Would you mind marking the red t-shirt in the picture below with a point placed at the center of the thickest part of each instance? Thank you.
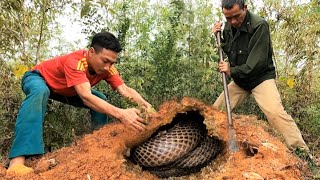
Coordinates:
(63, 72)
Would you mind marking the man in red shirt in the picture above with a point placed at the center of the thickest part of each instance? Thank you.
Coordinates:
(69, 79)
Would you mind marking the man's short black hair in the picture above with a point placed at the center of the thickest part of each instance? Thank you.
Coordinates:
(105, 40)
(228, 4)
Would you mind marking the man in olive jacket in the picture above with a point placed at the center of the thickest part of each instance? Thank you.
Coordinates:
(246, 41)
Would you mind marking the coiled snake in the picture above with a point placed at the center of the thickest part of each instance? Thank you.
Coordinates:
(180, 149)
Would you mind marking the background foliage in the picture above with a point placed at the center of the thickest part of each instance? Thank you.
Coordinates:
(169, 53)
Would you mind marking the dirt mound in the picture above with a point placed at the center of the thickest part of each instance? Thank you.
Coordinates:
(102, 154)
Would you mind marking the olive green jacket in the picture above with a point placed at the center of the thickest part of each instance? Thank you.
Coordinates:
(249, 52)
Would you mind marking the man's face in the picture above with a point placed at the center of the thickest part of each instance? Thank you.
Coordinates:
(100, 62)
(235, 15)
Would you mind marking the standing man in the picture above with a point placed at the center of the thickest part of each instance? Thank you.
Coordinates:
(246, 41)
(69, 79)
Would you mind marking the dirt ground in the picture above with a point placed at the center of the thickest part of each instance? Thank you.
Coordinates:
(102, 154)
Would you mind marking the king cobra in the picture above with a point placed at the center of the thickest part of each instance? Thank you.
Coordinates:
(176, 150)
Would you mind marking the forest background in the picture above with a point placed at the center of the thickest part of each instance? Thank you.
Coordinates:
(169, 52)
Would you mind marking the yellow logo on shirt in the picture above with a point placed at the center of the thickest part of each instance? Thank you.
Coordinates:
(82, 64)
(113, 70)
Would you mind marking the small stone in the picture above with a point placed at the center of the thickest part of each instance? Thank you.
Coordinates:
(271, 146)
(252, 175)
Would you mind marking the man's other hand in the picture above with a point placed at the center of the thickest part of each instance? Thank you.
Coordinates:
(224, 67)
(130, 117)
(216, 27)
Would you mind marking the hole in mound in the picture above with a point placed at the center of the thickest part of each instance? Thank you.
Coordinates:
(180, 148)
(249, 149)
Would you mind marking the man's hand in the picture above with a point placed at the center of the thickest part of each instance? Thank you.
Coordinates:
(130, 117)
(148, 108)
(216, 27)
(224, 67)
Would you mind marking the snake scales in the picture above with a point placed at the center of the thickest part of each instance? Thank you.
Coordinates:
(179, 149)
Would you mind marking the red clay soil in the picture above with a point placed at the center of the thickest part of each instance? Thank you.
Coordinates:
(101, 155)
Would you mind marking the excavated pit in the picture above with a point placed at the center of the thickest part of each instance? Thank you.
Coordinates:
(102, 154)
(179, 148)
